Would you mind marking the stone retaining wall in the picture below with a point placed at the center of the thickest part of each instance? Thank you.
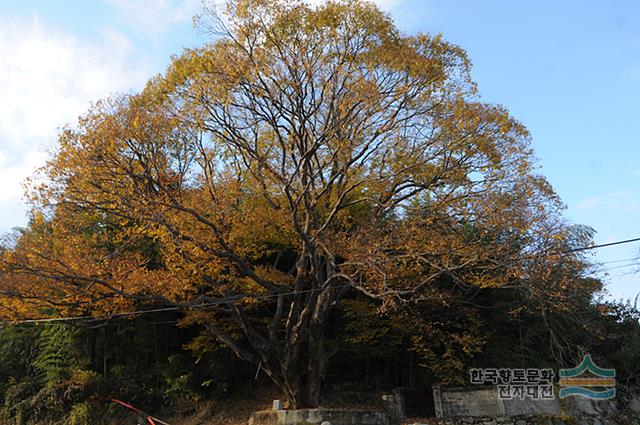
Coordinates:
(318, 416)
(523, 420)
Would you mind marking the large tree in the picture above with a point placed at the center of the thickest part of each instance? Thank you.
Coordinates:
(302, 154)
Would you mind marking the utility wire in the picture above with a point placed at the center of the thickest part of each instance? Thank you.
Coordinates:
(586, 248)
(623, 266)
(256, 297)
(157, 310)
(623, 260)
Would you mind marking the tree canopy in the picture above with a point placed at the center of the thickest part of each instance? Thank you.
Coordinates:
(304, 156)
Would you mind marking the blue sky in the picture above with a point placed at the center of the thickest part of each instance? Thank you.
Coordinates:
(570, 71)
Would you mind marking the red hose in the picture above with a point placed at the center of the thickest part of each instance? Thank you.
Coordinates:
(130, 407)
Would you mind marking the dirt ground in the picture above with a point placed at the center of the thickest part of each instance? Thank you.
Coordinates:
(230, 411)
(236, 410)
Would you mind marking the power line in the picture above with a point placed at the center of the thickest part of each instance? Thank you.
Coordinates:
(586, 248)
(623, 260)
(258, 297)
(623, 266)
(157, 310)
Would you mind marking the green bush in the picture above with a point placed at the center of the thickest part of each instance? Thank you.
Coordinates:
(82, 414)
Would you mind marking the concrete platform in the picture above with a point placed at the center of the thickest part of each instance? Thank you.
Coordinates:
(318, 416)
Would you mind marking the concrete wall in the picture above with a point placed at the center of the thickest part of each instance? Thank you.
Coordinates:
(393, 404)
(469, 406)
(524, 420)
(467, 401)
(516, 407)
(317, 416)
(481, 405)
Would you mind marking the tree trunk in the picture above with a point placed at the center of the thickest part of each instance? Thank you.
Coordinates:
(294, 357)
(317, 365)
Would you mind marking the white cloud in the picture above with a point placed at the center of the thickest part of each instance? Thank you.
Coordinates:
(588, 203)
(626, 201)
(15, 173)
(382, 4)
(156, 16)
(387, 4)
(48, 78)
